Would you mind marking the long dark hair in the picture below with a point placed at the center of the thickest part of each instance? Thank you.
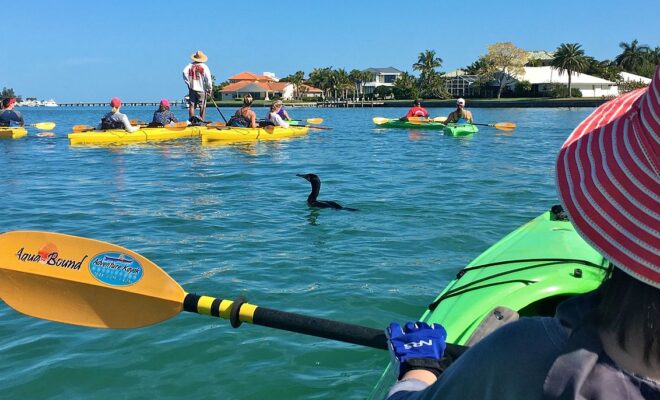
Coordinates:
(626, 303)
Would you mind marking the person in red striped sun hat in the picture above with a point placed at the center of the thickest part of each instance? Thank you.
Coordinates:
(600, 345)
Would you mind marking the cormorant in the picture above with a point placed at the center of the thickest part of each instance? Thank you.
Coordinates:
(316, 188)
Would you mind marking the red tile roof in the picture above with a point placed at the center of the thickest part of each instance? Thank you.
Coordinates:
(249, 76)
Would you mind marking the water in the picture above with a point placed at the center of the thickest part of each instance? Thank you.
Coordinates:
(232, 220)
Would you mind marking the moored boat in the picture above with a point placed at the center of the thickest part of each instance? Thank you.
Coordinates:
(527, 273)
(13, 132)
(230, 133)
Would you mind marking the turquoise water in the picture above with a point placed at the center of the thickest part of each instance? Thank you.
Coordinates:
(232, 220)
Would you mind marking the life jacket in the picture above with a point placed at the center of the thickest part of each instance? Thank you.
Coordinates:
(107, 122)
(239, 120)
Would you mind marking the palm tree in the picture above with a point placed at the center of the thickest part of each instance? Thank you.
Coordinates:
(426, 64)
(570, 58)
(633, 56)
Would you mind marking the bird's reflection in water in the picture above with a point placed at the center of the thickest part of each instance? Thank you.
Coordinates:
(313, 214)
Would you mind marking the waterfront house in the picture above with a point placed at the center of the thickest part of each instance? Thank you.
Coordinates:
(461, 84)
(543, 78)
(381, 77)
(264, 87)
(628, 77)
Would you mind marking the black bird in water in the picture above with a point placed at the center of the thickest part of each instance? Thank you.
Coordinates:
(316, 188)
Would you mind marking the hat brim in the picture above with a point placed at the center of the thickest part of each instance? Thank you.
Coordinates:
(203, 58)
(607, 180)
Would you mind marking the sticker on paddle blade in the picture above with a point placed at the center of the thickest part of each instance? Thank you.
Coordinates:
(115, 269)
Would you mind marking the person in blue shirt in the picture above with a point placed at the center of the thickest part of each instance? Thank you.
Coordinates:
(163, 116)
(604, 344)
(8, 116)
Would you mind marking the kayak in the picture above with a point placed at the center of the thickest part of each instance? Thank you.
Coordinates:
(12, 133)
(397, 123)
(118, 136)
(527, 273)
(460, 129)
(230, 133)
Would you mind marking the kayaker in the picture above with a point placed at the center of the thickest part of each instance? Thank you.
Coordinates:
(460, 115)
(116, 120)
(416, 111)
(282, 112)
(8, 116)
(244, 116)
(274, 116)
(600, 345)
(163, 116)
(197, 76)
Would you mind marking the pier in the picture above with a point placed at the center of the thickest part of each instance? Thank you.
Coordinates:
(123, 103)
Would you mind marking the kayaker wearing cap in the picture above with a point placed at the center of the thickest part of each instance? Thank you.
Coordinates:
(163, 116)
(8, 116)
(274, 116)
(197, 76)
(416, 111)
(460, 115)
(600, 345)
(116, 120)
(244, 116)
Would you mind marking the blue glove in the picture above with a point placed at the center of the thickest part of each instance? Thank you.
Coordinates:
(417, 346)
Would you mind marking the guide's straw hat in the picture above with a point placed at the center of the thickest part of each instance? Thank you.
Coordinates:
(199, 56)
(608, 180)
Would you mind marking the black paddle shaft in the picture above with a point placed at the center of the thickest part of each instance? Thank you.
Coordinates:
(329, 329)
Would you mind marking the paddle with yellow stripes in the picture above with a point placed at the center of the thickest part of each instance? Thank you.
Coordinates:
(46, 126)
(316, 121)
(87, 282)
(503, 126)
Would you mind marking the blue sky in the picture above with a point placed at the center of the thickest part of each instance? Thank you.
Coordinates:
(93, 50)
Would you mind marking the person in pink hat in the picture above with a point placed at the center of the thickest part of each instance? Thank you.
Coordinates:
(115, 119)
(163, 116)
(600, 345)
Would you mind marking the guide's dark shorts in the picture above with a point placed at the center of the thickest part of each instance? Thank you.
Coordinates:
(196, 99)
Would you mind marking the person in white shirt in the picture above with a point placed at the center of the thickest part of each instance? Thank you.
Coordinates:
(116, 120)
(197, 76)
(274, 116)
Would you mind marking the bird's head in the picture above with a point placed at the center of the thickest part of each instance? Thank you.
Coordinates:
(309, 177)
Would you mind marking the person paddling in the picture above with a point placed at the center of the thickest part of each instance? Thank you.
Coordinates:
(116, 120)
(416, 111)
(600, 345)
(9, 116)
(460, 115)
(163, 116)
(274, 116)
(198, 78)
(244, 116)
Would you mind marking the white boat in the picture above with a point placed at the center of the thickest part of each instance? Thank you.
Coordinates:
(49, 103)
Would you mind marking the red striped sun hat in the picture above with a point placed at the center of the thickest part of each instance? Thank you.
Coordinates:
(609, 183)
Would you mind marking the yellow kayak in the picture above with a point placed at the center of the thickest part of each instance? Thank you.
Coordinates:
(228, 133)
(12, 133)
(117, 136)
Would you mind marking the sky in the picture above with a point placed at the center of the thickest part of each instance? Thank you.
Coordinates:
(95, 50)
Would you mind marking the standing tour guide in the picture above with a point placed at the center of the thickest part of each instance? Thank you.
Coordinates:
(197, 76)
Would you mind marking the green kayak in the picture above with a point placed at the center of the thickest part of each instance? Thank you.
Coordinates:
(460, 129)
(527, 273)
(397, 123)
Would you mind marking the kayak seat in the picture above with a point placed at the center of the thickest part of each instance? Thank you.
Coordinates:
(498, 317)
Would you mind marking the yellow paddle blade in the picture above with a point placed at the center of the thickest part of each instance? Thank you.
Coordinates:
(82, 128)
(418, 120)
(439, 119)
(83, 281)
(505, 126)
(314, 120)
(380, 120)
(44, 125)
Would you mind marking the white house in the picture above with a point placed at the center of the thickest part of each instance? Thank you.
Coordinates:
(628, 77)
(381, 77)
(542, 79)
(264, 87)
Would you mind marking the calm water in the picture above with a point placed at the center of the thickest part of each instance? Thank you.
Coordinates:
(232, 220)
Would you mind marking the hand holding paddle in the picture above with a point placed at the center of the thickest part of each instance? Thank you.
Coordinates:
(86, 282)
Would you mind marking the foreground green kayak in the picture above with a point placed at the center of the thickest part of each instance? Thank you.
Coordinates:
(527, 273)
(460, 129)
(397, 123)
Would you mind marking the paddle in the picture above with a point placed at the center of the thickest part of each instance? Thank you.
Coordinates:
(46, 126)
(440, 119)
(218, 108)
(309, 120)
(87, 282)
(82, 128)
(381, 120)
(503, 126)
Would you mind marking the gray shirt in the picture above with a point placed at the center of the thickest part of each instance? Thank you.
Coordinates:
(535, 358)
